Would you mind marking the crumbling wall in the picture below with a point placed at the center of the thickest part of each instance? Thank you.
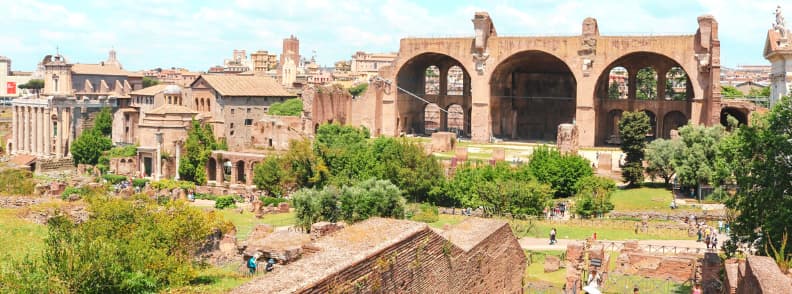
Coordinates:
(633, 261)
(761, 275)
(322, 105)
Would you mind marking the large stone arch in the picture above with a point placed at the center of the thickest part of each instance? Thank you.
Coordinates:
(659, 106)
(531, 93)
(673, 120)
(411, 101)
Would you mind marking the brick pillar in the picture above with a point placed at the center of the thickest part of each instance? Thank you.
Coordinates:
(632, 86)
(661, 84)
(47, 133)
(59, 133)
(249, 176)
(234, 173)
(219, 173)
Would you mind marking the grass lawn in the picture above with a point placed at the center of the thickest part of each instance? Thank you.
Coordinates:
(247, 220)
(643, 199)
(19, 237)
(534, 271)
(605, 229)
(215, 280)
(447, 219)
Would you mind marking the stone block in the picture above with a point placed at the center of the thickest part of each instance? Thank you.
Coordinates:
(574, 253)
(461, 153)
(552, 263)
(762, 275)
(443, 141)
(283, 207)
(498, 154)
(604, 162)
(322, 229)
(567, 139)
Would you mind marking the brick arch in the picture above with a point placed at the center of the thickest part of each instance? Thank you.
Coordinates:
(623, 60)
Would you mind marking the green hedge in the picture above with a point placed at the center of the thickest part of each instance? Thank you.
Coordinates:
(272, 200)
(140, 183)
(225, 202)
(114, 179)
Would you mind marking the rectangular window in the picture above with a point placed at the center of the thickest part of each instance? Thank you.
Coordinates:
(232, 111)
(248, 122)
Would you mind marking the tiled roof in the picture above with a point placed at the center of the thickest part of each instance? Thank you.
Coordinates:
(149, 91)
(228, 85)
(98, 69)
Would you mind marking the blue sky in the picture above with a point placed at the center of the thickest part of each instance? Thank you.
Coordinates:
(199, 34)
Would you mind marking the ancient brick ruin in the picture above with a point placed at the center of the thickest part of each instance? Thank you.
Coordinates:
(398, 256)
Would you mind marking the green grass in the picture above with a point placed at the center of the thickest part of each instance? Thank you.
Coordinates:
(215, 280)
(19, 237)
(534, 271)
(643, 199)
(246, 221)
(447, 219)
(605, 229)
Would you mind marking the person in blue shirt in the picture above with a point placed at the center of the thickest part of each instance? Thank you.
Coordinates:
(251, 264)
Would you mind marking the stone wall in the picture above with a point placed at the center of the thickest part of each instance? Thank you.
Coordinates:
(326, 105)
(275, 131)
(20, 202)
(47, 165)
(761, 275)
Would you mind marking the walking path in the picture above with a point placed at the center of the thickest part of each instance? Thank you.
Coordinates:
(528, 243)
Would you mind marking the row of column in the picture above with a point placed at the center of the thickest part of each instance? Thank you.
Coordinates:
(34, 129)
(220, 172)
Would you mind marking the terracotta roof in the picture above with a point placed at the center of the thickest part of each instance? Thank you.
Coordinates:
(246, 86)
(171, 109)
(98, 69)
(23, 159)
(149, 91)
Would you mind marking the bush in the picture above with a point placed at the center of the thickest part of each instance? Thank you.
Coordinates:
(225, 202)
(205, 196)
(125, 151)
(114, 179)
(168, 184)
(290, 107)
(594, 197)
(425, 212)
(16, 182)
(73, 190)
(272, 200)
(140, 183)
(561, 171)
(359, 89)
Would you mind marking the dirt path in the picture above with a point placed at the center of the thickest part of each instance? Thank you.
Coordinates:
(529, 243)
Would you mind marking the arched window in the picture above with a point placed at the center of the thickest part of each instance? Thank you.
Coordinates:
(646, 80)
(676, 84)
(431, 118)
(456, 81)
(618, 83)
(456, 118)
(208, 105)
(432, 80)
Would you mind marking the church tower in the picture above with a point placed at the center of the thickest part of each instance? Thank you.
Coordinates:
(57, 76)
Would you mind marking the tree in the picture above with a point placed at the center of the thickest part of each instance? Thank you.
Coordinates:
(149, 81)
(104, 122)
(271, 176)
(562, 172)
(646, 80)
(406, 165)
(594, 196)
(695, 160)
(89, 146)
(358, 89)
(763, 170)
(515, 197)
(290, 107)
(613, 91)
(197, 148)
(345, 151)
(633, 128)
(35, 84)
(660, 158)
(731, 92)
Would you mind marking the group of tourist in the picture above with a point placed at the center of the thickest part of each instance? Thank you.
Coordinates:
(708, 235)
(557, 211)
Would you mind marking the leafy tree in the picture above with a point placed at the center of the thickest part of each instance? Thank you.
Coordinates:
(562, 172)
(515, 197)
(307, 169)
(646, 80)
(763, 172)
(695, 160)
(104, 122)
(198, 147)
(613, 91)
(35, 84)
(633, 128)
(405, 164)
(594, 196)
(271, 176)
(759, 92)
(660, 158)
(149, 81)
(89, 146)
(290, 107)
(730, 92)
(345, 152)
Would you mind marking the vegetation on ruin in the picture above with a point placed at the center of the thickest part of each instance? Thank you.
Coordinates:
(16, 182)
(113, 251)
(358, 89)
(350, 203)
(104, 121)
(197, 148)
(114, 179)
(633, 128)
(730, 92)
(424, 212)
(290, 107)
(168, 184)
(594, 196)
(562, 171)
(122, 151)
(89, 146)
(149, 81)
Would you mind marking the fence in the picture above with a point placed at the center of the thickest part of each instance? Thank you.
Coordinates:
(626, 284)
(654, 248)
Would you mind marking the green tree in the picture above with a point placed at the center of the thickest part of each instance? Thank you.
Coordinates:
(594, 196)
(660, 158)
(646, 80)
(271, 176)
(149, 81)
(633, 128)
(358, 89)
(35, 84)
(290, 107)
(613, 91)
(562, 172)
(307, 169)
(515, 197)
(731, 92)
(345, 152)
(197, 148)
(406, 164)
(104, 122)
(762, 172)
(89, 146)
(695, 161)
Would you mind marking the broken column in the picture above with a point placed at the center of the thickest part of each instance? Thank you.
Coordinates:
(567, 139)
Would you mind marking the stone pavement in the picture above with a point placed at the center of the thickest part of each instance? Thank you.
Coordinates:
(528, 243)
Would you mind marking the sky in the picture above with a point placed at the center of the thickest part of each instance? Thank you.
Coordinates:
(199, 34)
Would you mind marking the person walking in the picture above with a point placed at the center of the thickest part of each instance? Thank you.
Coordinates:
(699, 235)
(251, 265)
(553, 236)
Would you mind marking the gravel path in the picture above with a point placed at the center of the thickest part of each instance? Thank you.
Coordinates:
(528, 243)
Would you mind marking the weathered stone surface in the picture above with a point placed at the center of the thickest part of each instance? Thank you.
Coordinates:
(552, 263)
(604, 162)
(567, 139)
(283, 207)
(19, 202)
(443, 141)
(678, 268)
(762, 275)
(322, 229)
(498, 154)
(461, 153)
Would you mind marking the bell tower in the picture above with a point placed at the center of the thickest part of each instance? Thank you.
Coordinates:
(57, 76)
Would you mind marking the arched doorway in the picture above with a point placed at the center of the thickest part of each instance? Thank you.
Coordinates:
(618, 84)
(532, 92)
(240, 171)
(227, 166)
(652, 134)
(432, 118)
(211, 169)
(673, 121)
(738, 114)
(612, 127)
(430, 78)
(456, 119)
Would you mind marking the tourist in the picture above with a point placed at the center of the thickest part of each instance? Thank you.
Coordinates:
(270, 264)
(707, 241)
(714, 242)
(553, 236)
(720, 225)
(636, 228)
(699, 235)
(697, 289)
(251, 264)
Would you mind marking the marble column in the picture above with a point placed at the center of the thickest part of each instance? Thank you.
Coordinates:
(59, 133)
(47, 132)
(67, 130)
(219, 172)
(178, 158)
(39, 131)
(234, 174)
(14, 133)
(25, 129)
(249, 174)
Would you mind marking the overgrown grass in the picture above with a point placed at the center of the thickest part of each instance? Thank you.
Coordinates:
(447, 219)
(246, 221)
(534, 271)
(643, 199)
(215, 280)
(605, 229)
(19, 237)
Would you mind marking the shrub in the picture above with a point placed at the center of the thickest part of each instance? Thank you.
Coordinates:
(561, 171)
(73, 190)
(140, 183)
(290, 107)
(594, 197)
(225, 202)
(272, 200)
(124, 151)
(168, 184)
(205, 196)
(16, 182)
(424, 212)
(359, 89)
(114, 179)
